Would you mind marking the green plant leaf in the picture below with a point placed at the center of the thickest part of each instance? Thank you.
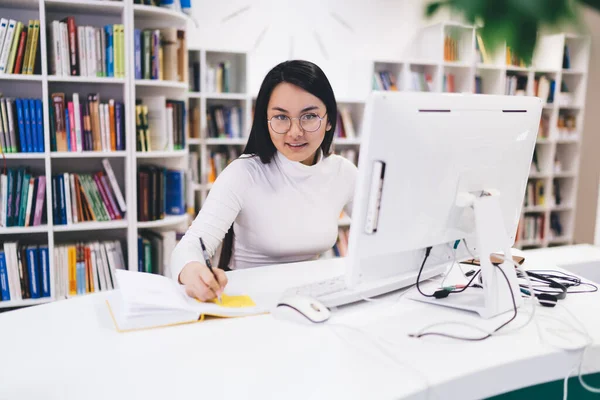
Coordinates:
(592, 3)
(432, 8)
(514, 22)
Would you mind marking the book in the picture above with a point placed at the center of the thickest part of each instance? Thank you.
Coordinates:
(144, 301)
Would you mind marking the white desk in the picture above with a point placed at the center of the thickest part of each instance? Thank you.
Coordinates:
(70, 350)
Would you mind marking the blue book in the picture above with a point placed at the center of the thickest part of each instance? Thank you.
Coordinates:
(175, 193)
(34, 276)
(163, 206)
(40, 124)
(27, 120)
(21, 121)
(4, 290)
(62, 207)
(110, 61)
(55, 214)
(44, 270)
(24, 193)
(68, 129)
(137, 36)
(140, 254)
(119, 125)
(34, 126)
(17, 196)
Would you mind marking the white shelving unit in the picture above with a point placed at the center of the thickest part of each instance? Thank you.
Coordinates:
(124, 163)
(426, 57)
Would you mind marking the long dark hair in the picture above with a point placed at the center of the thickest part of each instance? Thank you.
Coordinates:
(306, 75)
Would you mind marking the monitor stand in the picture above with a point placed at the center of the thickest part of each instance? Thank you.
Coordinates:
(495, 298)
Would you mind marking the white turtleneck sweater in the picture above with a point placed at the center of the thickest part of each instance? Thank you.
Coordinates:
(283, 211)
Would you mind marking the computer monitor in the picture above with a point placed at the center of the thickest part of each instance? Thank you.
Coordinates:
(424, 159)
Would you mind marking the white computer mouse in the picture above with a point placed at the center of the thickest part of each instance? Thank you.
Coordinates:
(301, 309)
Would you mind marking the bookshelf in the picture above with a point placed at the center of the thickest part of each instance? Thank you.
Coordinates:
(446, 57)
(124, 162)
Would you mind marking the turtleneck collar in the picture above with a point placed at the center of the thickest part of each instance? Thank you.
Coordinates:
(296, 168)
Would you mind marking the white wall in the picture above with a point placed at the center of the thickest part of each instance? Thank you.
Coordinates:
(341, 36)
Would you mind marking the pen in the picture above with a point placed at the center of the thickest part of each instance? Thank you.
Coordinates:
(209, 264)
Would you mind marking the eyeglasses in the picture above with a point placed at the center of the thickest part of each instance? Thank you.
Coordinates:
(309, 122)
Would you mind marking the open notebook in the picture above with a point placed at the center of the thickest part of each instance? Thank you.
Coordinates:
(144, 301)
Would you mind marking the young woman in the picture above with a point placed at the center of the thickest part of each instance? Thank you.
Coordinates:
(281, 200)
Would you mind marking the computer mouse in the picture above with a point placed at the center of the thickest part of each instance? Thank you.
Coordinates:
(301, 309)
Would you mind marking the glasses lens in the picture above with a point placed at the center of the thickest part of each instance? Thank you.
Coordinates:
(280, 123)
(310, 122)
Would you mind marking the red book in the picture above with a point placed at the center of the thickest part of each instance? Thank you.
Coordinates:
(73, 48)
(109, 194)
(104, 197)
(20, 52)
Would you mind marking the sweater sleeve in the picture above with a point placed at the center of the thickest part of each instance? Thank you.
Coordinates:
(219, 211)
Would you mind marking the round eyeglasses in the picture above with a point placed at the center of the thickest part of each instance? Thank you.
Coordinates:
(309, 122)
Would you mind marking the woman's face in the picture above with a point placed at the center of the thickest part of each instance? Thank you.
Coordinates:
(295, 126)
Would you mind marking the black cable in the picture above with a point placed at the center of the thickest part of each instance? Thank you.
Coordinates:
(442, 292)
(427, 252)
(512, 295)
(562, 278)
(468, 284)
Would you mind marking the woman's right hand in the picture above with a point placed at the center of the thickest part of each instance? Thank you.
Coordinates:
(200, 283)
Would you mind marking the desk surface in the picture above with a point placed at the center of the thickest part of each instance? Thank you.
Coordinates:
(70, 350)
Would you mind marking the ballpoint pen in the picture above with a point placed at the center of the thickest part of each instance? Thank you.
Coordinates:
(209, 264)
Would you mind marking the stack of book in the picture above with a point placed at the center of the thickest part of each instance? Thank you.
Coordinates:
(19, 47)
(516, 85)
(161, 54)
(160, 192)
(448, 84)
(86, 125)
(535, 193)
(21, 125)
(422, 82)
(450, 49)
(160, 124)
(224, 121)
(154, 250)
(24, 271)
(512, 59)
(219, 160)
(84, 197)
(218, 77)
(533, 227)
(544, 88)
(566, 124)
(89, 267)
(384, 80)
(86, 50)
(345, 126)
(22, 198)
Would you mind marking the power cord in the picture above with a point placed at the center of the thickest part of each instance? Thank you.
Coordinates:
(441, 293)
(512, 295)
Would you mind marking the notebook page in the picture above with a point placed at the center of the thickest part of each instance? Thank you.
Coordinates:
(143, 293)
